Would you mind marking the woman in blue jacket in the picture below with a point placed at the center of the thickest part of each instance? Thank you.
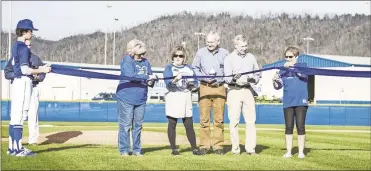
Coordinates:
(295, 99)
(132, 97)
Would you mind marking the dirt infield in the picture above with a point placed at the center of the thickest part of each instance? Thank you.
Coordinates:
(104, 138)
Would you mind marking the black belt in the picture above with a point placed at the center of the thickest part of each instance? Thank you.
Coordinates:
(239, 86)
(214, 85)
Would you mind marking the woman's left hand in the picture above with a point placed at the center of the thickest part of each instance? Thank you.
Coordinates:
(288, 64)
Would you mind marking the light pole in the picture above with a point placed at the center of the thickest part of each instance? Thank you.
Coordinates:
(114, 41)
(184, 44)
(10, 31)
(198, 34)
(9, 47)
(105, 42)
(308, 39)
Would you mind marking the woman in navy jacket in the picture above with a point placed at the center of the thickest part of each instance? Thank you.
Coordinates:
(295, 99)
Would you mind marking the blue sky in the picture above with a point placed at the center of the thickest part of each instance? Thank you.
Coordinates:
(59, 19)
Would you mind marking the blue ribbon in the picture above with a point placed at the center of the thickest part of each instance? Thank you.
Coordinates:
(331, 72)
(90, 74)
(76, 71)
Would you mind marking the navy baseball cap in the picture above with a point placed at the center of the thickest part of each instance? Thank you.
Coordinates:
(26, 24)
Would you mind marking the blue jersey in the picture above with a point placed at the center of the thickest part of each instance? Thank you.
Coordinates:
(134, 92)
(295, 88)
(181, 85)
(21, 55)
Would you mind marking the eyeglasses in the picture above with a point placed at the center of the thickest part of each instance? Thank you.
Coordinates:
(28, 45)
(142, 54)
(180, 56)
(289, 57)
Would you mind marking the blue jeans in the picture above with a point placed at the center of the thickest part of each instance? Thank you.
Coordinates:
(127, 115)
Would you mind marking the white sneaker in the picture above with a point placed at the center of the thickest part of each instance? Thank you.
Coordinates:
(11, 153)
(25, 152)
(287, 155)
(301, 155)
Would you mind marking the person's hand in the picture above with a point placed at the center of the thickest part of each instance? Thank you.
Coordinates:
(276, 76)
(191, 87)
(236, 77)
(250, 78)
(288, 64)
(214, 83)
(151, 80)
(45, 69)
(178, 77)
(35, 77)
(47, 65)
(152, 77)
(210, 81)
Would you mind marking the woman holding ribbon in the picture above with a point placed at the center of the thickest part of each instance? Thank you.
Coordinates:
(132, 96)
(295, 99)
(179, 99)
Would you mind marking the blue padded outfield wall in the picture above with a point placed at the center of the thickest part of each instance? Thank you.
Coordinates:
(358, 115)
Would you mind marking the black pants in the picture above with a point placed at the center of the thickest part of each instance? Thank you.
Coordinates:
(299, 113)
(188, 124)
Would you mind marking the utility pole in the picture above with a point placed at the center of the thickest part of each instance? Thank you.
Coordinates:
(184, 44)
(308, 39)
(114, 41)
(105, 42)
(198, 34)
(10, 31)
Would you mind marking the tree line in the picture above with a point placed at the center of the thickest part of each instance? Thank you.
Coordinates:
(268, 36)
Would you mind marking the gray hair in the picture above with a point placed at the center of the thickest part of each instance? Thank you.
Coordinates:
(135, 46)
(214, 34)
(239, 38)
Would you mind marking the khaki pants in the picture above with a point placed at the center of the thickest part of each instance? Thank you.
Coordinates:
(212, 98)
(238, 99)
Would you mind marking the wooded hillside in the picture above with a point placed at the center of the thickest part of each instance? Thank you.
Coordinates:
(268, 37)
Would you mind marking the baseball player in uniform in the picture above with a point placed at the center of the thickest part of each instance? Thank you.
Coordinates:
(21, 87)
(32, 118)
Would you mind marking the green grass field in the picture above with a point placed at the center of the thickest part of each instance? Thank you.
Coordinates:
(324, 150)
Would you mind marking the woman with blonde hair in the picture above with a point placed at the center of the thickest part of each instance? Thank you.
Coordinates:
(178, 99)
(295, 99)
(132, 97)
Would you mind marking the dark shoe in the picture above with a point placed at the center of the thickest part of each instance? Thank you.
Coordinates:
(197, 152)
(219, 152)
(252, 154)
(204, 151)
(175, 152)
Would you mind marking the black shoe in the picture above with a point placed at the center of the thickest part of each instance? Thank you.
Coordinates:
(197, 152)
(204, 151)
(175, 152)
(219, 152)
(252, 154)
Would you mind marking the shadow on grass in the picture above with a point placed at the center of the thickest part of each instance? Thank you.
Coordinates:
(228, 148)
(61, 137)
(153, 149)
(65, 148)
(295, 150)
